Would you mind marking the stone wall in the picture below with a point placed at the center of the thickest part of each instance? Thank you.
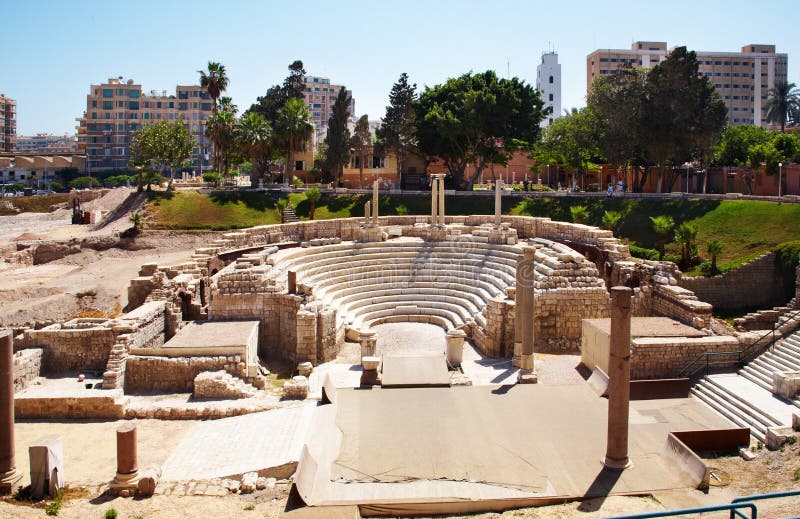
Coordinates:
(175, 374)
(27, 367)
(658, 357)
(80, 344)
(756, 284)
(103, 404)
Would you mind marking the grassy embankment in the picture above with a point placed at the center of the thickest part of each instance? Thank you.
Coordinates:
(745, 228)
(36, 204)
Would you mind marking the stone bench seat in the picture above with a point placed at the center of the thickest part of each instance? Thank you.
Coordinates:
(448, 318)
(376, 292)
(465, 308)
(456, 312)
(488, 267)
(475, 293)
(391, 276)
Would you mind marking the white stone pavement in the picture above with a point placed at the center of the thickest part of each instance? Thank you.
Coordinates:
(233, 446)
(756, 396)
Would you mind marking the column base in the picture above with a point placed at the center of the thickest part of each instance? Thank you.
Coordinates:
(516, 360)
(9, 481)
(526, 362)
(527, 377)
(617, 464)
(124, 482)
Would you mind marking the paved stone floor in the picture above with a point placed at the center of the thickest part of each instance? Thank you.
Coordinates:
(233, 446)
(409, 339)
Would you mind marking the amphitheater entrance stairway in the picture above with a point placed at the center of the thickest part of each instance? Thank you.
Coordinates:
(746, 397)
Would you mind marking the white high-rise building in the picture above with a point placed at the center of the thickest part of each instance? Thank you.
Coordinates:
(548, 81)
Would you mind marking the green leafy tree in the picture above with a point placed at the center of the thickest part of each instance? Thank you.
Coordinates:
(312, 195)
(782, 100)
(295, 127)
(397, 132)
(714, 249)
(673, 131)
(338, 136)
(616, 100)
(276, 96)
(215, 80)
(477, 119)
(686, 236)
(572, 141)
(84, 183)
(150, 178)
(254, 136)
(164, 144)
(579, 213)
(361, 144)
(662, 226)
(740, 147)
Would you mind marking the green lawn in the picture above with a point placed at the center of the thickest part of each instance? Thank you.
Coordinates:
(746, 228)
(192, 210)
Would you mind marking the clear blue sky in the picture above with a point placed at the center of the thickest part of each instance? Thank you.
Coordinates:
(55, 49)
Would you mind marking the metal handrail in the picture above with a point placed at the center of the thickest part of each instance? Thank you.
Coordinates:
(743, 356)
(760, 497)
(733, 507)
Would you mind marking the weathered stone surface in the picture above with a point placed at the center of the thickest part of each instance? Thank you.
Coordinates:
(221, 384)
(297, 387)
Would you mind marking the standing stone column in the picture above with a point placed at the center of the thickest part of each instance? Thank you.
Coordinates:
(367, 212)
(434, 198)
(498, 194)
(9, 475)
(519, 318)
(619, 378)
(441, 199)
(127, 466)
(368, 341)
(291, 281)
(525, 275)
(375, 203)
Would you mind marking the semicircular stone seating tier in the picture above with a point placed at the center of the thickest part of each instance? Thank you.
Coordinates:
(447, 283)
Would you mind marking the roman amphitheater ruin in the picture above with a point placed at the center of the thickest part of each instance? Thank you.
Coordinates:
(500, 288)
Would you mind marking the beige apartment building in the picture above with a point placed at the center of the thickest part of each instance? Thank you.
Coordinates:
(8, 124)
(116, 110)
(742, 79)
(320, 96)
(46, 143)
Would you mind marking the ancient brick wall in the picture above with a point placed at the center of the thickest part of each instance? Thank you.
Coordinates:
(72, 349)
(756, 284)
(27, 367)
(107, 405)
(656, 357)
(150, 373)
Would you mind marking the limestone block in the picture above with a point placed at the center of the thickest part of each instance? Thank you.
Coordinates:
(249, 483)
(296, 388)
(304, 368)
(786, 384)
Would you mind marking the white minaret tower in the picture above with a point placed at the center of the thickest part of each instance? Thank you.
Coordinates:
(548, 81)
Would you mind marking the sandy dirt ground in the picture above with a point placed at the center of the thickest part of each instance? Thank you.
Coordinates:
(89, 283)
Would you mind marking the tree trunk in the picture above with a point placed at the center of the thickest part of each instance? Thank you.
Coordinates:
(660, 182)
(140, 186)
(360, 171)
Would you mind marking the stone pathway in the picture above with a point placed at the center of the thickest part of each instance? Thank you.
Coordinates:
(415, 339)
(233, 446)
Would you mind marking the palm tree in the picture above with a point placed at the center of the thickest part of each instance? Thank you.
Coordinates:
(662, 226)
(254, 135)
(611, 219)
(714, 248)
(579, 213)
(312, 195)
(783, 100)
(295, 127)
(214, 80)
(685, 236)
(220, 129)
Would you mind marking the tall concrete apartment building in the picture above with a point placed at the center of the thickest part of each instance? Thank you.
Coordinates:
(548, 82)
(116, 110)
(320, 96)
(46, 143)
(742, 79)
(8, 124)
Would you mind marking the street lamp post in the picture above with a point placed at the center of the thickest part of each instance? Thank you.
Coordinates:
(687, 177)
(780, 178)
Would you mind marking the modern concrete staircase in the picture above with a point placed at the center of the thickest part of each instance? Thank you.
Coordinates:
(288, 214)
(746, 398)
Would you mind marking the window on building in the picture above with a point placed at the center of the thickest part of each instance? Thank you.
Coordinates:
(94, 104)
(108, 92)
(205, 106)
(120, 91)
(298, 165)
(551, 120)
(183, 106)
(377, 162)
(133, 105)
(133, 94)
(108, 105)
(551, 79)
(551, 97)
(183, 94)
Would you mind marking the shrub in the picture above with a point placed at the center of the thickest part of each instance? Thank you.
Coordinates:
(786, 259)
(211, 178)
(579, 213)
(57, 187)
(55, 507)
(537, 187)
(250, 507)
(84, 183)
(111, 513)
(296, 182)
(643, 253)
(14, 187)
(116, 181)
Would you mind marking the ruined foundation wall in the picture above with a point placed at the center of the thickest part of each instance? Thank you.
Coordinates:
(657, 357)
(71, 349)
(756, 284)
(27, 367)
(146, 373)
